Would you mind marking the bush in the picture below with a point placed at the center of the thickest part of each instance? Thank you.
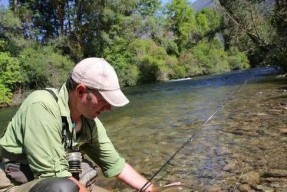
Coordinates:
(5, 95)
(11, 74)
(150, 60)
(122, 60)
(127, 72)
(11, 77)
(44, 66)
(190, 63)
(237, 60)
(211, 57)
(173, 65)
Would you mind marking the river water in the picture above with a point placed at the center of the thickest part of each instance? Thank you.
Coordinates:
(242, 147)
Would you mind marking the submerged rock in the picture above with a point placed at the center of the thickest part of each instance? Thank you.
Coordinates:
(250, 178)
(275, 173)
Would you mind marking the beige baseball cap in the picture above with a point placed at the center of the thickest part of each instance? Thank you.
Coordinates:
(97, 73)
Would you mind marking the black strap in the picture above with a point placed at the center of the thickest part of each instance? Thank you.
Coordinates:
(65, 126)
(66, 134)
(52, 93)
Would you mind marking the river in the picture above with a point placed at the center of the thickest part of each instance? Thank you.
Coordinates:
(243, 147)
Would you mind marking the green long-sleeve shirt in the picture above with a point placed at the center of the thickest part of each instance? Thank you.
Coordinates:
(36, 131)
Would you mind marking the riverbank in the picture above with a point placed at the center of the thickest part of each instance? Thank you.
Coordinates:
(19, 96)
(17, 99)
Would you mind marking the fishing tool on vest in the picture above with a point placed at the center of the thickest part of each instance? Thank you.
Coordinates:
(226, 100)
(74, 159)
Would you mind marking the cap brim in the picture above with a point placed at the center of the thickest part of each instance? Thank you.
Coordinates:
(116, 97)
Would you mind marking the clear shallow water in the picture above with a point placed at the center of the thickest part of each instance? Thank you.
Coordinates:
(242, 138)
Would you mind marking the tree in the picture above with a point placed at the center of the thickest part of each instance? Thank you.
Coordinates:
(208, 23)
(180, 21)
(148, 7)
(280, 40)
(10, 32)
(50, 18)
(248, 26)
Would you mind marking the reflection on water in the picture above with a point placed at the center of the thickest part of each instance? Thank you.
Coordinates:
(162, 116)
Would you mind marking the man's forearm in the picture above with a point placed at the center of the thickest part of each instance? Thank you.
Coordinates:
(131, 177)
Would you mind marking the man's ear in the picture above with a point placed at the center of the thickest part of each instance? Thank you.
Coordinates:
(81, 89)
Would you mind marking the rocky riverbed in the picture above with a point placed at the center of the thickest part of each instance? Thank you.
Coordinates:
(243, 148)
(255, 136)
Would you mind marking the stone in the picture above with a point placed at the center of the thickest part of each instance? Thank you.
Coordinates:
(250, 178)
(244, 188)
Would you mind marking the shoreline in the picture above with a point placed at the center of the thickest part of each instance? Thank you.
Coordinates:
(20, 96)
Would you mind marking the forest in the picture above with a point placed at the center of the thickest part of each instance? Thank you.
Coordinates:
(145, 40)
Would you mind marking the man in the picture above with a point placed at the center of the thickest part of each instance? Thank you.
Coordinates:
(51, 122)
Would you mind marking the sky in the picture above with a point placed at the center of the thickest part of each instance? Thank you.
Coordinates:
(4, 3)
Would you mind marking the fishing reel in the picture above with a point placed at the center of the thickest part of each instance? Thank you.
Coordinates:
(74, 159)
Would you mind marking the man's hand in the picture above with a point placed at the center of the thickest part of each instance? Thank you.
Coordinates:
(173, 184)
(150, 188)
(153, 188)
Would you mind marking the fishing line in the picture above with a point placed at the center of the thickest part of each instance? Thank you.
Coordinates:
(226, 100)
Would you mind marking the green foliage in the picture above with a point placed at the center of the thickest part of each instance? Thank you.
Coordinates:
(211, 56)
(38, 39)
(255, 27)
(11, 77)
(181, 21)
(207, 20)
(42, 19)
(148, 7)
(3, 45)
(171, 61)
(191, 65)
(202, 22)
(44, 66)
(237, 60)
(278, 21)
(170, 47)
(5, 95)
(10, 30)
(11, 74)
(150, 60)
(122, 61)
(10, 23)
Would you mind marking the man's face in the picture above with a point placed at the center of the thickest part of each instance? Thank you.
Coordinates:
(93, 104)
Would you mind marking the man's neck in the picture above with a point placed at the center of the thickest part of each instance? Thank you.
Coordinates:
(75, 115)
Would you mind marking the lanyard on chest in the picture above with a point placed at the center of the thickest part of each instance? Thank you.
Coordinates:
(68, 137)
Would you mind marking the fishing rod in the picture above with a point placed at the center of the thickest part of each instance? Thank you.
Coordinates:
(226, 100)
